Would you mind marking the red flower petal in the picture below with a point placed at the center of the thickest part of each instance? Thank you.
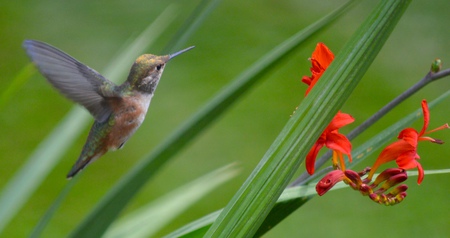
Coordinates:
(323, 55)
(339, 143)
(340, 120)
(421, 173)
(307, 80)
(426, 117)
(391, 152)
(321, 58)
(311, 157)
(407, 160)
(409, 135)
(316, 68)
(331, 139)
(313, 82)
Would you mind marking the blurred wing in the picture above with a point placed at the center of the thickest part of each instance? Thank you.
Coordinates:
(73, 79)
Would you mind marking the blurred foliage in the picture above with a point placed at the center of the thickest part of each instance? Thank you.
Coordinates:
(234, 36)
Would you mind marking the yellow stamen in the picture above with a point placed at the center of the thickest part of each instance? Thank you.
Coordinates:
(446, 126)
(341, 159)
(334, 160)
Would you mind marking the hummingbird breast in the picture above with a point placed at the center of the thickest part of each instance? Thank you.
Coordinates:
(128, 115)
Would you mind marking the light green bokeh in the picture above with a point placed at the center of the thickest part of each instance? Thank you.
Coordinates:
(234, 36)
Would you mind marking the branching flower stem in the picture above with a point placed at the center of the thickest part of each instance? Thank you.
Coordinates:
(430, 77)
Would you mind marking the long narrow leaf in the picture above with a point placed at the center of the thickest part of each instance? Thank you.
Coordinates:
(17, 83)
(149, 219)
(197, 228)
(251, 204)
(39, 228)
(119, 196)
(25, 181)
(121, 63)
(19, 188)
(191, 24)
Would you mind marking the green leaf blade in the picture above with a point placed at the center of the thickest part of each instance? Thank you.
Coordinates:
(166, 208)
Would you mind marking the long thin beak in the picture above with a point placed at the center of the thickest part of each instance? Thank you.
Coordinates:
(171, 56)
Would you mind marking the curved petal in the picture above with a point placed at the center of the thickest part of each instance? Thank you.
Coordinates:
(320, 60)
(307, 80)
(323, 55)
(391, 152)
(407, 160)
(340, 120)
(316, 68)
(409, 135)
(339, 142)
(426, 117)
(314, 78)
(421, 173)
(311, 157)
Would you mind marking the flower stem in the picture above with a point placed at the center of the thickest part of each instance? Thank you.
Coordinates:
(430, 77)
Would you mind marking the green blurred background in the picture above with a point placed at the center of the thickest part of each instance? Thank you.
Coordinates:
(234, 36)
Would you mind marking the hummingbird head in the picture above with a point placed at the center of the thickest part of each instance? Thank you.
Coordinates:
(147, 70)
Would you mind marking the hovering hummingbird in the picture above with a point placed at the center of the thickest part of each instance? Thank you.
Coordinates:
(118, 110)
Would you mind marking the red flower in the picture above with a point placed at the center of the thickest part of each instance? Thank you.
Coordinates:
(320, 59)
(332, 139)
(404, 151)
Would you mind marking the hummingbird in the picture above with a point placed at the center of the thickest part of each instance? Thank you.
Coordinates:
(118, 110)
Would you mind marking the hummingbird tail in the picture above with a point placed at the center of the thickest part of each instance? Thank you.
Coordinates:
(80, 164)
(75, 169)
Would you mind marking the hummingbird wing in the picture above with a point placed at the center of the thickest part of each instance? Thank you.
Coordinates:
(72, 78)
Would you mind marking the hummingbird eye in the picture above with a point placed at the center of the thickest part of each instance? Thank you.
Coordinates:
(158, 67)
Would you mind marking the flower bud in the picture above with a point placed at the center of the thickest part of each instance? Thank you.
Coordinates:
(327, 182)
(399, 189)
(385, 175)
(354, 177)
(394, 180)
(436, 65)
